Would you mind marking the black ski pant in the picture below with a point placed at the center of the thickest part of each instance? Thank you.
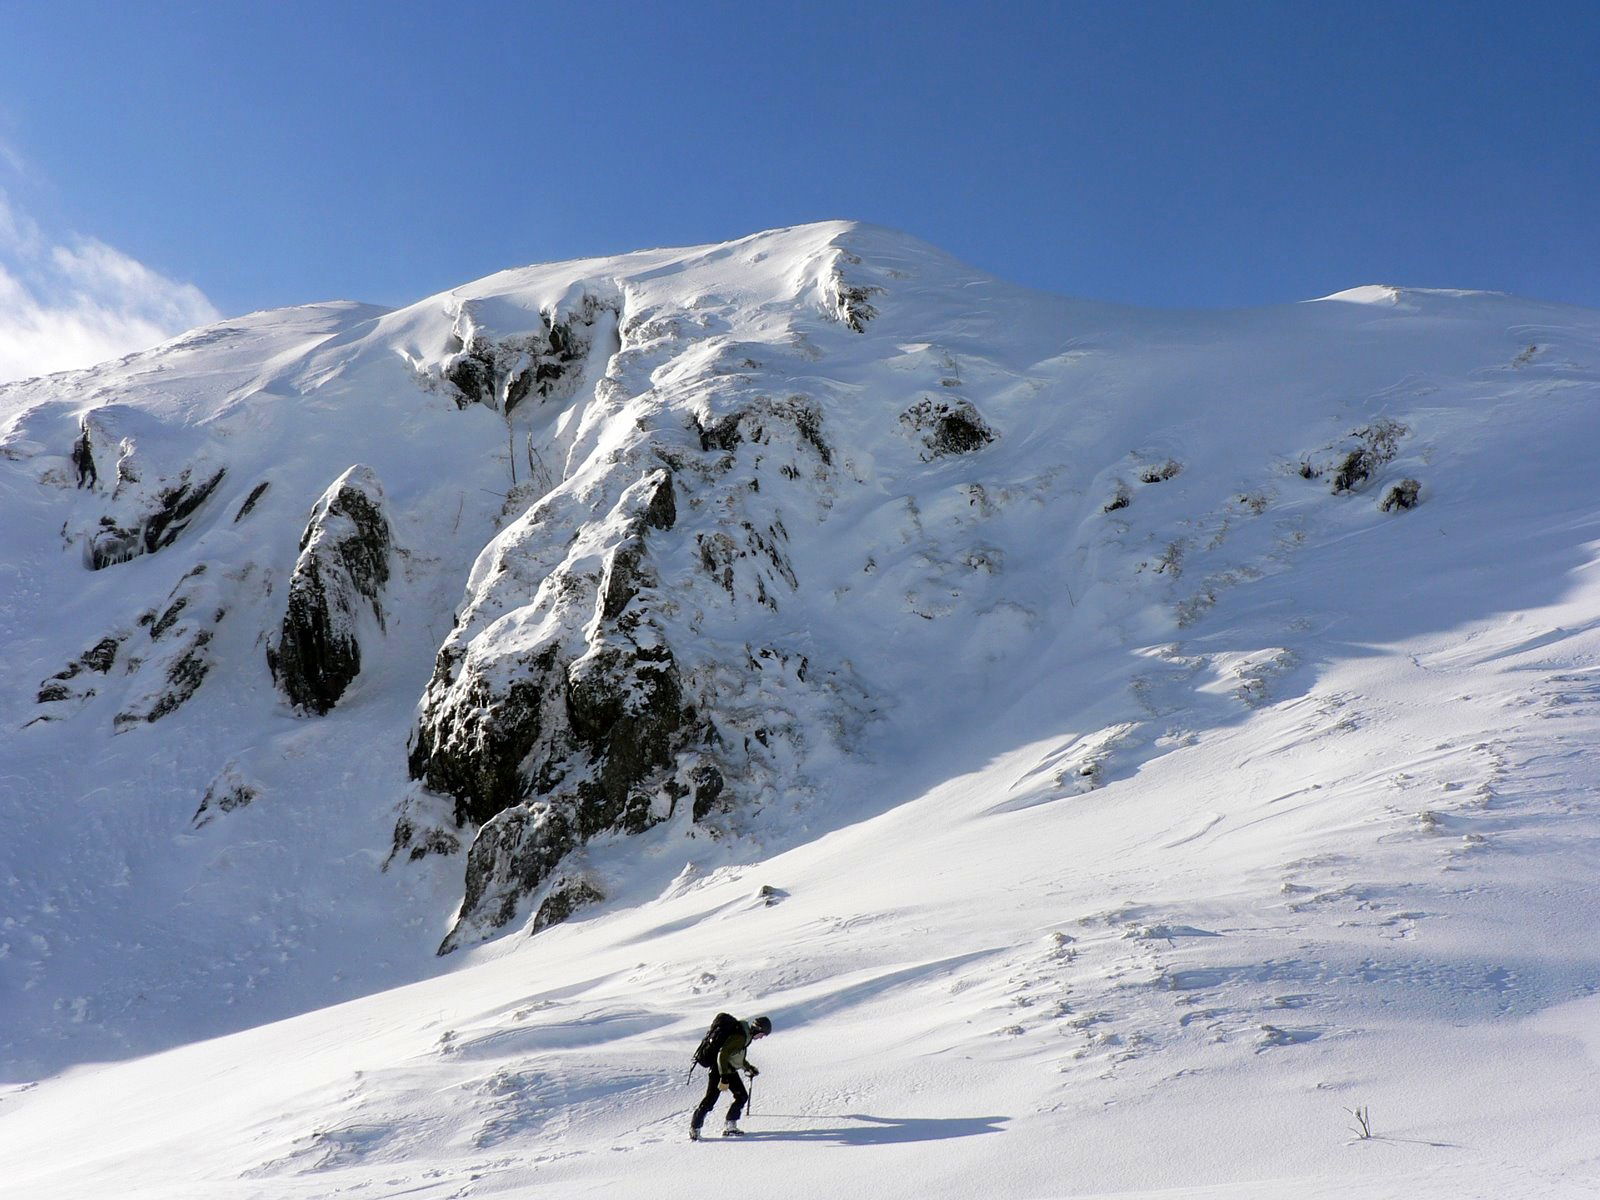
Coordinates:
(735, 1086)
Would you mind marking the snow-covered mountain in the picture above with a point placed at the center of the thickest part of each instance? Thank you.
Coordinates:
(1109, 743)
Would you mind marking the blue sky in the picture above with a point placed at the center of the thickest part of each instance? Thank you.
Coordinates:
(1168, 154)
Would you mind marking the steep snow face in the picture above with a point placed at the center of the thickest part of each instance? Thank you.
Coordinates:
(1009, 638)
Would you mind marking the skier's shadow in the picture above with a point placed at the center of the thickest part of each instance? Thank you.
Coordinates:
(878, 1131)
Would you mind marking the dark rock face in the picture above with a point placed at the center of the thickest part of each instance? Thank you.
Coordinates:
(473, 738)
(567, 894)
(340, 574)
(626, 712)
(250, 501)
(166, 669)
(171, 667)
(101, 655)
(569, 702)
(946, 425)
(184, 677)
(707, 787)
(426, 825)
(184, 672)
(511, 856)
(473, 374)
(1355, 469)
(660, 506)
(177, 505)
(182, 664)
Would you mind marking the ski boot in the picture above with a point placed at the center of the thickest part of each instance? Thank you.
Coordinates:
(732, 1130)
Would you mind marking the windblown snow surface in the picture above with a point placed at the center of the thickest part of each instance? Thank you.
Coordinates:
(1140, 797)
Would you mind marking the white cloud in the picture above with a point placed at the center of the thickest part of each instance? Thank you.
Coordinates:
(77, 301)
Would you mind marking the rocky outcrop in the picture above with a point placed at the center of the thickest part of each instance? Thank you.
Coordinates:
(228, 792)
(946, 425)
(251, 500)
(511, 856)
(335, 593)
(767, 421)
(1160, 472)
(542, 365)
(565, 896)
(580, 693)
(425, 826)
(552, 726)
(1355, 459)
(73, 686)
(157, 523)
(178, 657)
(1401, 496)
(163, 667)
(849, 303)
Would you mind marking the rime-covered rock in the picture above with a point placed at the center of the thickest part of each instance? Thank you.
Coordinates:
(543, 364)
(848, 302)
(552, 725)
(228, 792)
(148, 492)
(1353, 460)
(170, 667)
(155, 524)
(335, 594)
(946, 425)
(1401, 496)
(70, 683)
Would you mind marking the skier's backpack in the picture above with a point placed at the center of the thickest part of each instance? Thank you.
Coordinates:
(722, 1025)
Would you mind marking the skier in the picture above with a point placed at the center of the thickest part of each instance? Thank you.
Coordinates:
(729, 1060)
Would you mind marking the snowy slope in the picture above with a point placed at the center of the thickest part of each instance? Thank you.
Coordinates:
(1134, 794)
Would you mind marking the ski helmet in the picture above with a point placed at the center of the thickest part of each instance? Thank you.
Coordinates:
(762, 1025)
